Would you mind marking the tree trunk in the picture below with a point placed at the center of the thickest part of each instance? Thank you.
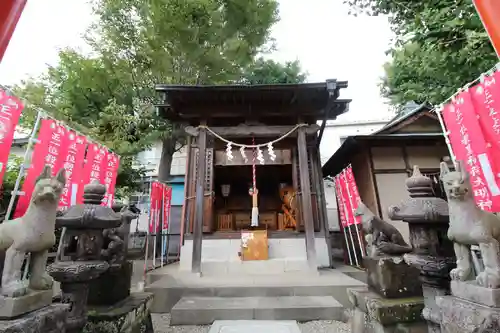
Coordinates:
(167, 152)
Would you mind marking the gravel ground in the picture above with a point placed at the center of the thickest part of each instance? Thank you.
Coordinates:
(161, 324)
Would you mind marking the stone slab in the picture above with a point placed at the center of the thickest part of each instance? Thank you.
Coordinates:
(252, 326)
(471, 291)
(15, 307)
(49, 319)
(463, 316)
(387, 311)
(206, 310)
(392, 277)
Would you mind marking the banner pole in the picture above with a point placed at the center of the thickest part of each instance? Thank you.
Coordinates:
(148, 233)
(24, 165)
(347, 245)
(438, 111)
(361, 246)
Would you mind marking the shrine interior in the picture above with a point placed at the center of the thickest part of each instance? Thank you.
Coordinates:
(233, 203)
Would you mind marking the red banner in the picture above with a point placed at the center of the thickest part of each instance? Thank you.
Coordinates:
(167, 202)
(92, 169)
(155, 199)
(73, 164)
(341, 201)
(469, 145)
(489, 12)
(353, 193)
(110, 168)
(10, 111)
(51, 144)
(10, 12)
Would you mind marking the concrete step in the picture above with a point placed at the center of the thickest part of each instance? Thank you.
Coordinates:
(205, 310)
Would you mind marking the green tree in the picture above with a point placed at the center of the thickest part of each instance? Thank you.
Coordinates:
(440, 46)
(137, 44)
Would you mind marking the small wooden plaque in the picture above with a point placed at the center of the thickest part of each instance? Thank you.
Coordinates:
(254, 245)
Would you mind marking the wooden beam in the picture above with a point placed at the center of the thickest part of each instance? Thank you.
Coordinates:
(257, 131)
(187, 181)
(307, 212)
(199, 202)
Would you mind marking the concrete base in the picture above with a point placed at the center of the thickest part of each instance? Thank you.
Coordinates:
(205, 310)
(252, 326)
(15, 307)
(220, 257)
(473, 292)
(50, 319)
(173, 284)
(463, 316)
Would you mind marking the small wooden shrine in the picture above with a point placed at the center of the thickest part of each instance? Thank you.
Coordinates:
(253, 148)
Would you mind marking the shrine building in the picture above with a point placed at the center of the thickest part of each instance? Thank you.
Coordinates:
(253, 187)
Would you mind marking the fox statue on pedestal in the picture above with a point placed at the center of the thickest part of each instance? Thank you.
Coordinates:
(32, 233)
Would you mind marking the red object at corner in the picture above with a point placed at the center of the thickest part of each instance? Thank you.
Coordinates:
(10, 12)
(489, 12)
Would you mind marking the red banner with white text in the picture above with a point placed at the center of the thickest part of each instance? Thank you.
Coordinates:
(154, 210)
(466, 134)
(167, 202)
(353, 193)
(341, 200)
(93, 167)
(110, 169)
(10, 112)
(73, 165)
(51, 144)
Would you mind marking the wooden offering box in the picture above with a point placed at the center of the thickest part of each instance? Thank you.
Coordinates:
(254, 245)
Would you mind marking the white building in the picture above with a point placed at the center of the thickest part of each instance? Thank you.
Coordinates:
(334, 135)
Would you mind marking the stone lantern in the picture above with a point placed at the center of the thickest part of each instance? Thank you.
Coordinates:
(80, 258)
(427, 217)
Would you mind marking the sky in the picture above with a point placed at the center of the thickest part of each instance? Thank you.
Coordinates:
(321, 34)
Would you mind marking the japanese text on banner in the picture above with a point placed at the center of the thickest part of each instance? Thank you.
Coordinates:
(353, 192)
(73, 164)
(110, 169)
(154, 210)
(92, 167)
(341, 202)
(167, 199)
(50, 142)
(10, 112)
(469, 145)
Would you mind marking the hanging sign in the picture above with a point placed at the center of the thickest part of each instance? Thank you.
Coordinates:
(110, 169)
(489, 12)
(73, 165)
(51, 142)
(469, 145)
(10, 112)
(167, 202)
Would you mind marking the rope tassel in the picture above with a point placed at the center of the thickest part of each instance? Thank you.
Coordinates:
(255, 207)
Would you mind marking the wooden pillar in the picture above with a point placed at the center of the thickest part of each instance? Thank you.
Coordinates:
(199, 202)
(307, 212)
(187, 182)
(322, 204)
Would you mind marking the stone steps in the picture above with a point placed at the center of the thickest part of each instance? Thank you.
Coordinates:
(205, 310)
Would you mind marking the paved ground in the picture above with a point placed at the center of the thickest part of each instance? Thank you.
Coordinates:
(161, 324)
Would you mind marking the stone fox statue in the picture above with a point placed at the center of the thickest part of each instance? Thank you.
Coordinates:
(470, 225)
(382, 237)
(32, 233)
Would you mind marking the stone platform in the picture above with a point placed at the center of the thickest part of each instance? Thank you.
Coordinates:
(49, 319)
(322, 294)
(252, 326)
(15, 307)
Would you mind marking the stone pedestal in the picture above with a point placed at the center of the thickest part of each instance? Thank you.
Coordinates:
(392, 302)
(112, 286)
(131, 315)
(390, 277)
(470, 309)
(376, 314)
(49, 319)
(15, 307)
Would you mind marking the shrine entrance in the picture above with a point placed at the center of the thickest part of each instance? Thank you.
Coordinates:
(253, 169)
